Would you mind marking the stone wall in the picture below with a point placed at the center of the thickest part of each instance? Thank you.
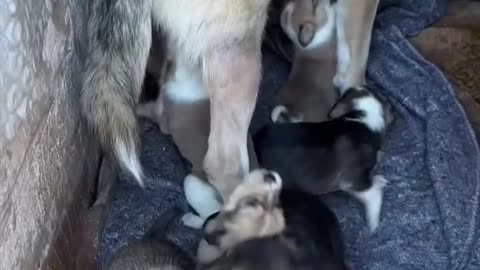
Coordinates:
(47, 158)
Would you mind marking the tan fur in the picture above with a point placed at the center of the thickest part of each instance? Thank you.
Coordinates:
(222, 39)
(317, 67)
(187, 122)
(354, 31)
(309, 94)
(251, 211)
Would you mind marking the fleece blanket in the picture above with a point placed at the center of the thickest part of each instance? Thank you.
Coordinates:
(430, 218)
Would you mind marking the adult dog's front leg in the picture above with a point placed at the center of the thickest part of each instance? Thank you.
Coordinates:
(354, 30)
(232, 77)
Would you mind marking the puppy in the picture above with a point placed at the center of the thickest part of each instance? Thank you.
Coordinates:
(309, 93)
(310, 240)
(152, 252)
(219, 39)
(340, 154)
(251, 211)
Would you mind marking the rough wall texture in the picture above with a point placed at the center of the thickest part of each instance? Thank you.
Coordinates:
(45, 151)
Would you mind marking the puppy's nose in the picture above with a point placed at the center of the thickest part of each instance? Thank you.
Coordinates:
(306, 32)
(270, 177)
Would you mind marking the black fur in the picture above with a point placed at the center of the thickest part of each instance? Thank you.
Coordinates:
(320, 157)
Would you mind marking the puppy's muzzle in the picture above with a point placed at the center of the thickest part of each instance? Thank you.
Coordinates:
(306, 32)
(270, 178)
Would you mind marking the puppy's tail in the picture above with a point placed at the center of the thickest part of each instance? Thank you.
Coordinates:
(119, 33)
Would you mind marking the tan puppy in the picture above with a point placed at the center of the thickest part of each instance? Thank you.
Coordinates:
(331, 40)
(309, 94)
(252, 211)
(218, 39)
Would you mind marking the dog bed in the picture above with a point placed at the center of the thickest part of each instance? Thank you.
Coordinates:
(430, 217)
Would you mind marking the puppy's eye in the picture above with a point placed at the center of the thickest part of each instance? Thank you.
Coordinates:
(251, 202)
(315, 3)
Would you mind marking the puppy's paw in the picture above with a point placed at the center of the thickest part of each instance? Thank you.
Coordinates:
(279, 114)
(192, 221)
(379, 181)
(201, 196)
(372, 200)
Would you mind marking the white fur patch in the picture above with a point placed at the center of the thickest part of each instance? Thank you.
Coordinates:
(322, 35)
(372, 200)
(201, 196)
(186, 86)
(130, 161)
(207, 253)
(193, 221)
(373, 109)
(277, 112)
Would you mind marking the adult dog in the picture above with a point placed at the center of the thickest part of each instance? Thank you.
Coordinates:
(219, 38)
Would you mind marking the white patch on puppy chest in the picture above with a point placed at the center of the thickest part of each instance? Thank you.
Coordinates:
(130, 161)
(372, 199)
(373, 109)
(201, 196)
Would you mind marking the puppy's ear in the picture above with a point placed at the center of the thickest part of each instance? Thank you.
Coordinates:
(342, 107)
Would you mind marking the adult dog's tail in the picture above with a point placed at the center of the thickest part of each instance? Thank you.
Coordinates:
(119, 36)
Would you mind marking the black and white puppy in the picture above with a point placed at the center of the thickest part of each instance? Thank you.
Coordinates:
(339, 154)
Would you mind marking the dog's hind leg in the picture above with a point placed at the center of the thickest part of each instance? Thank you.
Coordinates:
(354, 30)
(119, 34)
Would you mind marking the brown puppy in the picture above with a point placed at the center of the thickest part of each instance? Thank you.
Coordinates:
(154, 251)
(219, 39)
(309, 93)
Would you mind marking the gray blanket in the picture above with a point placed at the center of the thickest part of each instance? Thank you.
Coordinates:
(430, 218)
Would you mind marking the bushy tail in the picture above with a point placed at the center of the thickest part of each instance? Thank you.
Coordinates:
(119, 35)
